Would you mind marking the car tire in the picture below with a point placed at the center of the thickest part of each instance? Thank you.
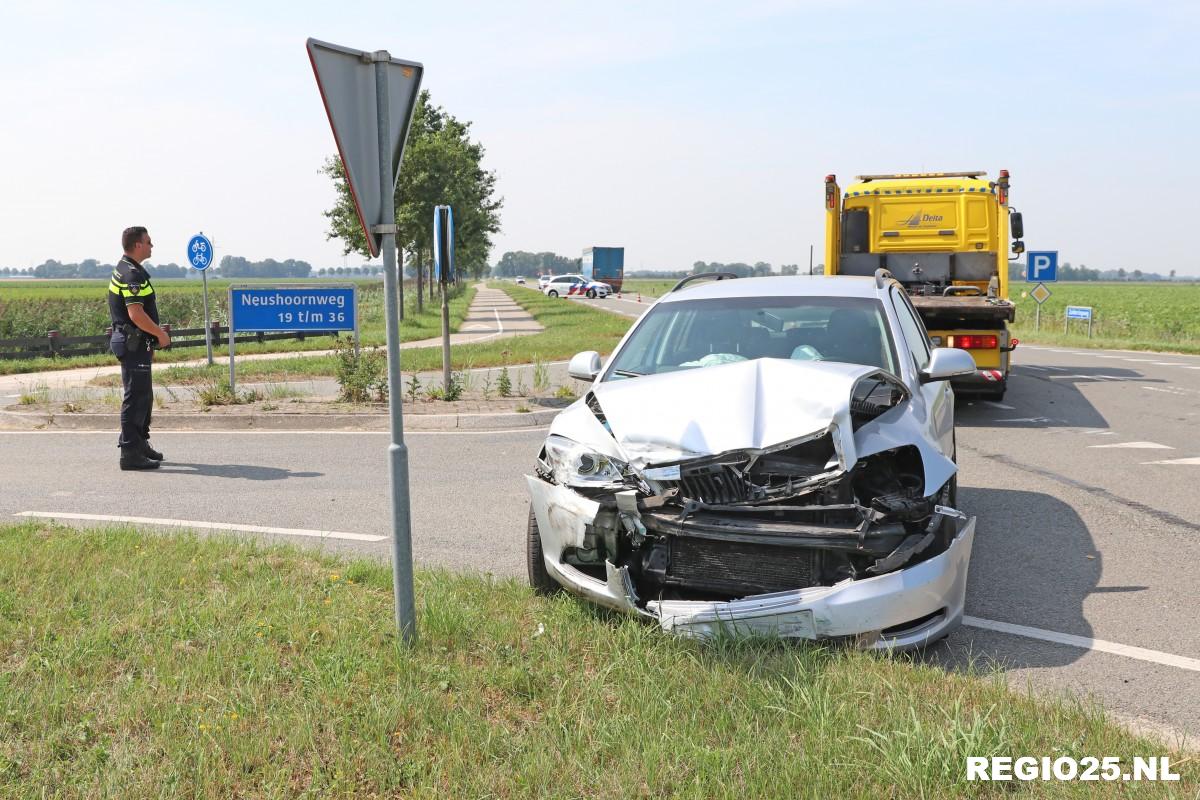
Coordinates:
(535, 562)
(552, 293)
(591, 293)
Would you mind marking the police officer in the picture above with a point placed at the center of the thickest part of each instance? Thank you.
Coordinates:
(134, 313)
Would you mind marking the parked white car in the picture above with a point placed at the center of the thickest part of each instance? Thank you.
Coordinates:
(767, 455)
(577, 285)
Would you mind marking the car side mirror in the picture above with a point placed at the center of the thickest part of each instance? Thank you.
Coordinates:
(1018, 247)
(1017, 225)
(946, 363)
(585, 366)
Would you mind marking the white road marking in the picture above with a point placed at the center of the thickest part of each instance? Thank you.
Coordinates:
(1191, 367)
(1166, 363)
(1134, 446)
(1100, 431)
(1140, 360)
(209, 526)
(994, 404)
(1164, 391)
(1026, 419)
(285, 432)
(1035, 366)
(1086, 643)
(1189, 461)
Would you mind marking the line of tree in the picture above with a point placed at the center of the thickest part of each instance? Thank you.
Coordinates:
(442, 166)
(758, 269)
(1066, 272)
(521, 262)
(238, 267)
(91, 268)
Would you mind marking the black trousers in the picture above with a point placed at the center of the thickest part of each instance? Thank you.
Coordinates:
(138, 400)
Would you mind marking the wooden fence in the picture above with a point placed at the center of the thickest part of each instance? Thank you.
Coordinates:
(55, 345)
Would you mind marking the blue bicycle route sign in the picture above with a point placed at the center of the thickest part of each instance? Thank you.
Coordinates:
(317, 308)
(200, 252)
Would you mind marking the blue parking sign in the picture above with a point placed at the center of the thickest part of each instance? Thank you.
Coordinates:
(1041, 266)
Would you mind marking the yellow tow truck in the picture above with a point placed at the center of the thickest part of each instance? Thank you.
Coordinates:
(944, 235)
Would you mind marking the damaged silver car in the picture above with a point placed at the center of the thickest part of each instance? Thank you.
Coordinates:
(768, 455)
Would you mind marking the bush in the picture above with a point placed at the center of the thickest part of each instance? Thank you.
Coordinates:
(361, 375)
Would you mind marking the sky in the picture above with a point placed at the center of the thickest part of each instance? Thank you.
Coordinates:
(683, 131)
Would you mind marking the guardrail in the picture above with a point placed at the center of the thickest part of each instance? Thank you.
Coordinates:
(55, 345)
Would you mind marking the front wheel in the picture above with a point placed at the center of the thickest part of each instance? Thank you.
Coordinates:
(551, 293)
(535, 562)
(591, 293)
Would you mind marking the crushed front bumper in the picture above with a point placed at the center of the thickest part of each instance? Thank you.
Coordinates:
(908, 608)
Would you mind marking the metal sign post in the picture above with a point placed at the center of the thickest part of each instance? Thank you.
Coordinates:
(200, 256)
(1079, 312)
(1041, 294)
(443, 263)
(359, 88)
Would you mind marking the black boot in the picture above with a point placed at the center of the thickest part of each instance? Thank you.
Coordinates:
(134, 459)
(150, 452)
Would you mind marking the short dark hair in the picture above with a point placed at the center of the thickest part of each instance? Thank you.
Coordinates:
(132, 236)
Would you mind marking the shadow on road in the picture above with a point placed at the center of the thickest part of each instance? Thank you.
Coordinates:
(243, 471)
(1034, 563)
(1050, 398)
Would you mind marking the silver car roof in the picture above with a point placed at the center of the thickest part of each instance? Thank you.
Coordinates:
(791, 286)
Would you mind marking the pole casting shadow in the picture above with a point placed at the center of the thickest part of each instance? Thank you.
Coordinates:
(243, 471)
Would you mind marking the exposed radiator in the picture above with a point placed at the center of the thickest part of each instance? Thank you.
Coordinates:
(739, 568)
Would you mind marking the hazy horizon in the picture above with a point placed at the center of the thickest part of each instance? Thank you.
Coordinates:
(682, 132)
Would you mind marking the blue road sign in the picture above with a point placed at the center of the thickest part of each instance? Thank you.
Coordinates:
(1079, 312)
(200, 252)
(1041, 266)
(319, 308)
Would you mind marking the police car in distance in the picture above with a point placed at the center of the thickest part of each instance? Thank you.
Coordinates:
(520, 280)
(567, 285)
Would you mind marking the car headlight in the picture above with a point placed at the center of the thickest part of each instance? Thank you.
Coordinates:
(574, 464)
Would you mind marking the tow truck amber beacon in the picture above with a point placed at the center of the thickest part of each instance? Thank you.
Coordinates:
(944, 236)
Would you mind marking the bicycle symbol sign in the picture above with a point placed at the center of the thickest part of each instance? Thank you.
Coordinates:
(200, 252)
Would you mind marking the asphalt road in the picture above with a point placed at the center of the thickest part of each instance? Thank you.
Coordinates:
(1083, 481)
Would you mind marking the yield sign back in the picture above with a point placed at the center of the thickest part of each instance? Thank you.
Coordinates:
(346, 78)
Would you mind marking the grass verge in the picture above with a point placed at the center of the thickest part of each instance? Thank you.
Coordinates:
(139, 665)
(569, 328)
(415, 327)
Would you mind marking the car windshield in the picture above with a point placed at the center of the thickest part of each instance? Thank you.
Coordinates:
(700, 333)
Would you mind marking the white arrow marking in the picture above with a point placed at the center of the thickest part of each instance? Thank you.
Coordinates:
(1192, 461)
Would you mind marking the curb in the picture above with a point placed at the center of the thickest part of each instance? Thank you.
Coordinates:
(26, 421)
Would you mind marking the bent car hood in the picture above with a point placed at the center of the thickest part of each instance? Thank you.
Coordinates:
(747, 405)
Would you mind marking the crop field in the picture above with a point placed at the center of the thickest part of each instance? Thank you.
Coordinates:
(79, 307)
(1137, 315)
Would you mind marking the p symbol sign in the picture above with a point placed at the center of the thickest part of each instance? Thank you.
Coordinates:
(1042, 266)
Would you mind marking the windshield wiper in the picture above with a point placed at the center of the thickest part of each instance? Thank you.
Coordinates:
(627, 373)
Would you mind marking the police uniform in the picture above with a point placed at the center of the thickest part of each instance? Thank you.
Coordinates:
(131, 285)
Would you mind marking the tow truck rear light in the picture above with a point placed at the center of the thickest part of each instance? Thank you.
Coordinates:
(972, 341)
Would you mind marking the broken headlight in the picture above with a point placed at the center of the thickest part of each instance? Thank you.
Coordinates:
(873, 395)
(574, 464)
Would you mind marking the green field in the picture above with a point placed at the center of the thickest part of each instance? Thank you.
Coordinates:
(144, 666)
(1145, 316)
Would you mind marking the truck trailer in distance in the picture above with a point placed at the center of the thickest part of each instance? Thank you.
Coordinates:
(605, 264)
